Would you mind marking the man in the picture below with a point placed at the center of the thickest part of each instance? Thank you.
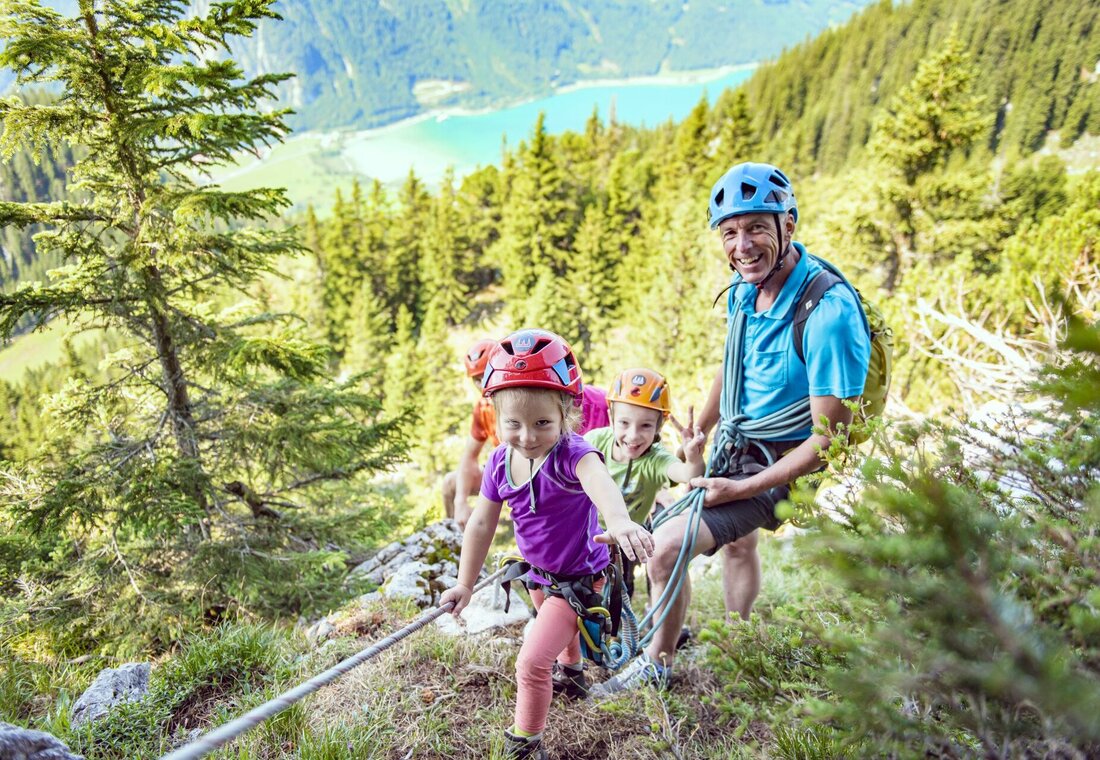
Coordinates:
(753, 208)
(465, 480)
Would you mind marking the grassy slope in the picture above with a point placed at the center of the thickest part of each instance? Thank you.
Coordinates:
(37, 348)
(429, 696)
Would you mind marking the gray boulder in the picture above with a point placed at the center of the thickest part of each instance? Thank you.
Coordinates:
(128, 683)
(439, 543)
(485, 613)
(410, 581)
(23, 744)
(319, 631)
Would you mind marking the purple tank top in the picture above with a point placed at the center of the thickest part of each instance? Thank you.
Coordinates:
(558, 534)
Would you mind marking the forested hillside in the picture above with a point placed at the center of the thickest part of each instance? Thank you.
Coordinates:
(1039, 67)
(371, 63)
(279, 401)
(25, 179)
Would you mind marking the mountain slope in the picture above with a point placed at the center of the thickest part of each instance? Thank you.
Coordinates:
(370, 63)
(1039, 64)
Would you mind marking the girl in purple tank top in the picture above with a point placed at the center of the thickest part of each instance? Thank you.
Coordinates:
(554, 482)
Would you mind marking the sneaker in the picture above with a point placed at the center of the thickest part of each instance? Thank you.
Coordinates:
(684, 638)
(569, 682)
(523, 747)
(642, 672)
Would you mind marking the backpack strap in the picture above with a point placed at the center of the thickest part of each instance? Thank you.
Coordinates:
(807, 302)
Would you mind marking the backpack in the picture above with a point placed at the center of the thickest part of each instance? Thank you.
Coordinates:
(877, 385)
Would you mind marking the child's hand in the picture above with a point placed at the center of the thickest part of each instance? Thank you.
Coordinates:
(636, 541)
(458, 594)
(692, 438)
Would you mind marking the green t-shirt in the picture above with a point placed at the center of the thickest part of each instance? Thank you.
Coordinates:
(648, 473)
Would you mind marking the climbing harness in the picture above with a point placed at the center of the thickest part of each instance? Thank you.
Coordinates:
(606, 622)
(225, 734)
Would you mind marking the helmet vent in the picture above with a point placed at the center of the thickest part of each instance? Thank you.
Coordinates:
(719, 196)
(776, 196)
(747, 191)
(779, 178)
(507, 346)
(540, 344)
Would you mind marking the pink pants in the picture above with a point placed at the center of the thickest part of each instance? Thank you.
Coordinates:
(552, 637)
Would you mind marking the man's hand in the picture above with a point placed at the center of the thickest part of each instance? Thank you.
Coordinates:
(636, 541)
(720, 490)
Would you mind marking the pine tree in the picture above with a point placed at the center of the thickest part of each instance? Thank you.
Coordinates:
(447, 240)
(439, 408)
(737, 140)
(538, 225)
(213, 416)
(934, 115)
(405, 376)
(369, 334)
(592, 289)
(342, 267)
(408, 247)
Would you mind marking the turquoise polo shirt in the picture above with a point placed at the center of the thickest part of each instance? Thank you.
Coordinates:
(836, 343)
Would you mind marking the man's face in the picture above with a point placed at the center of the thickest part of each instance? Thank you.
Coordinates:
(751, 243)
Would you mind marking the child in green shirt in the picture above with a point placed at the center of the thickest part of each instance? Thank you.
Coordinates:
(638, 404)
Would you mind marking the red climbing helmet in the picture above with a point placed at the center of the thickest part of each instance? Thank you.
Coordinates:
(478, 357)
(533, 359)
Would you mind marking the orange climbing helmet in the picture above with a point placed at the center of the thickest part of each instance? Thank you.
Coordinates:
(477, 357)
(641, 387)
(533, 359)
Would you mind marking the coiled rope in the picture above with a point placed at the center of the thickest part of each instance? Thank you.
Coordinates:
(220, 736)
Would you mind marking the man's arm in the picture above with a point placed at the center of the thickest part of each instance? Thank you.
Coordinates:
(467, 479)
(802, 460)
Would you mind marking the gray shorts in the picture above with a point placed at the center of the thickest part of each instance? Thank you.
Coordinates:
(729, 522)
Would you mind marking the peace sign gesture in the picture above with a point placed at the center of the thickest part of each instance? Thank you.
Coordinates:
(692, 438)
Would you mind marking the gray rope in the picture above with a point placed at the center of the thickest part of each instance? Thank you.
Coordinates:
(218, 737)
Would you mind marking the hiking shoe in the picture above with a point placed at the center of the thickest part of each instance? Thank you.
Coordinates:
(685, 637)
(524, 747)
(569, 682)
(640, 673)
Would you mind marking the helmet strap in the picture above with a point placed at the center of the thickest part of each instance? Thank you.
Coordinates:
(780, 259)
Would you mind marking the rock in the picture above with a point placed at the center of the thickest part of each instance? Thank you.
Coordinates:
(128, 683)
(485, 613)
(23, 744)
(371, 598)
(319, 631)
(409, 582)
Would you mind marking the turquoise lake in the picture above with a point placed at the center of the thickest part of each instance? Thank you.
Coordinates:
(467, 140)
(311, 165)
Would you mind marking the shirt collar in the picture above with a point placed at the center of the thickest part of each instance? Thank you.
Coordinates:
(745, 295)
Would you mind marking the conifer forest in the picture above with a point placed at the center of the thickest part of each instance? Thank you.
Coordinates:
(249, 401)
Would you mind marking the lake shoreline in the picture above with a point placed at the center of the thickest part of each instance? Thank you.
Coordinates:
(694, 76)
(312, 164)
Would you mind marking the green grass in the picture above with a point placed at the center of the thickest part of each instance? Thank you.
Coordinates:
(310, 167)
(40, 347)
(439, 696)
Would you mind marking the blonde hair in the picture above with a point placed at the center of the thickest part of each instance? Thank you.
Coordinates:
(570, 412)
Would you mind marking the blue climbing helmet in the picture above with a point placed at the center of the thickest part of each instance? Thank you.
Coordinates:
(751, 189)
